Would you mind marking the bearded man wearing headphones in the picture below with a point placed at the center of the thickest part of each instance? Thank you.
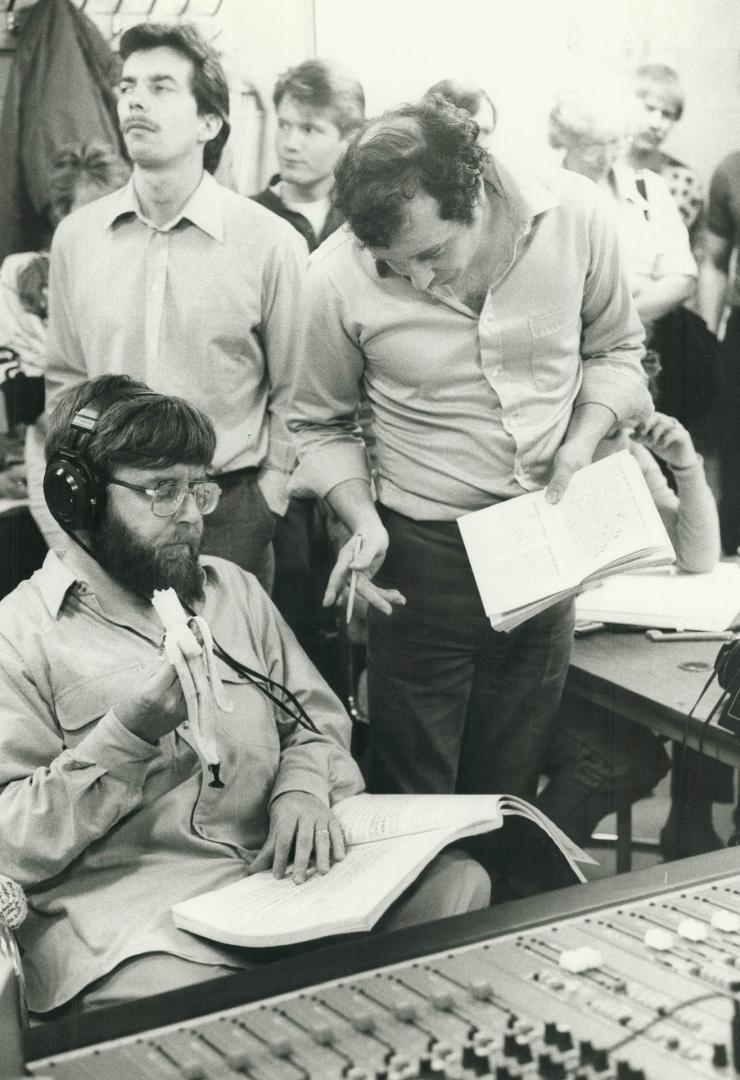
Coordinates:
(105, 818)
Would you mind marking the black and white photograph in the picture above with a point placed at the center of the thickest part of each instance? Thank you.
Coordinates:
(369, 539)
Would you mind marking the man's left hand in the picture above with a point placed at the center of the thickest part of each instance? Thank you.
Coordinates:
(301, 824)
(574, 454)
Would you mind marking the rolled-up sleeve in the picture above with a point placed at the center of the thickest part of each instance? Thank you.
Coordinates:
(326, 392)
(612, 337)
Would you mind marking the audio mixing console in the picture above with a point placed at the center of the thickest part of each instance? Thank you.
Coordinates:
(638, 989)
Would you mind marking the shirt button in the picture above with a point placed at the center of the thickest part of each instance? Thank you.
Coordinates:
(185, 724)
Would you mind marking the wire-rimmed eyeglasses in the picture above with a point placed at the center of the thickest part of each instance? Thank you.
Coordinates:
(169, 495)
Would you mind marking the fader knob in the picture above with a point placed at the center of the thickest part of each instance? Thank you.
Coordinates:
(550, 1069)
(600, 1061)
(563, 1037)
(720, 1059)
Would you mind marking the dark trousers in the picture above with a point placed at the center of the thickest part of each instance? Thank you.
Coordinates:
(242, 526)
(455, 706)
(729, 435)
(303, 562)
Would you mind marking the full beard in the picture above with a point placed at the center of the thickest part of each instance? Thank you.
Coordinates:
(144, 567)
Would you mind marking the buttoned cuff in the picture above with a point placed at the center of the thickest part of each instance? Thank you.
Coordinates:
(297, 779)
(620, 391)
(114, 748)
(323, 468)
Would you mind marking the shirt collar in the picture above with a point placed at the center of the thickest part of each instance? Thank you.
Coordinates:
(525, 196)
(625, 185)
(204, 208)
(74, 567)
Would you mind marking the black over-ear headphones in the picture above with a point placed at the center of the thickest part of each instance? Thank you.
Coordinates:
(727, 669)
(74, 491)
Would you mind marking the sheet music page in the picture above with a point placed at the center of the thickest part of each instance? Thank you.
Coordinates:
(370, 876)
(518, 552)
(368, 818)
(526, 549)
(609, 513)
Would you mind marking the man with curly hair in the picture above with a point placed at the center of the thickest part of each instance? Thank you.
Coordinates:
(488, 318)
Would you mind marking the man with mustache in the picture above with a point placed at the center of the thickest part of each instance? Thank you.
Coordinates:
(107, 817)
(180, 282)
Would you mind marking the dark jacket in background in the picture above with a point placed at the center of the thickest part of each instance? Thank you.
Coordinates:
(271, 201)
(60, 91)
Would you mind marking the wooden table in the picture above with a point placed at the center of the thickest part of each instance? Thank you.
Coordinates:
(649, 683)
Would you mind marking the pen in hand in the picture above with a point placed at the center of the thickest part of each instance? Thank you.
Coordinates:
(353, 581)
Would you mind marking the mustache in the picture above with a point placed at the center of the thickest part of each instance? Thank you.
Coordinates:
(140, 122)
(187, 535)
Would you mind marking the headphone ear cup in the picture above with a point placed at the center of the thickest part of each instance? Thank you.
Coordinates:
(727, 664)
(75, 496)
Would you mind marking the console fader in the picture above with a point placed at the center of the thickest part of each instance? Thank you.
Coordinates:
(637, 991)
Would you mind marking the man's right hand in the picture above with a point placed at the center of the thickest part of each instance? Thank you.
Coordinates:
(366, 564)
(156, 707)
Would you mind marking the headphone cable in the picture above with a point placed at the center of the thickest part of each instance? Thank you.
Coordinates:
(269, 687)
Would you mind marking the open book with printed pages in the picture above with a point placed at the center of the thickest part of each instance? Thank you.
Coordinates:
(527, 554)
(666, 599)
(389, 839)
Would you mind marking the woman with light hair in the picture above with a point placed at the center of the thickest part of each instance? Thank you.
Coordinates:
(592, 123)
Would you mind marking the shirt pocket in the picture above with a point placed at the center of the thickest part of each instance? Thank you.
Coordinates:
(556, 341)
(81, 704)
(251, 723)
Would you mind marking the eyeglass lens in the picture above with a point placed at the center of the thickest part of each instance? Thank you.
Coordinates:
(170, 497)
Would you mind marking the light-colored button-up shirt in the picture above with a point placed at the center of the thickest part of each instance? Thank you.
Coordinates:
(202, 308)
(106, 831)
(469, 409)
(654, 239)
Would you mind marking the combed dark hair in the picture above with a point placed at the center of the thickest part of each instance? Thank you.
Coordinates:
(430, 146)
(665, 80)
(209, 85)
(324, 84)
(141, 429)
(465, 95)
(95, 162)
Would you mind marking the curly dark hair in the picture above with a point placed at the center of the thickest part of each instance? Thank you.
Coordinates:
(430, 146)
(465, 95)
(209, 85)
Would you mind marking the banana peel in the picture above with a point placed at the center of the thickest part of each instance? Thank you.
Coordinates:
(188, 645)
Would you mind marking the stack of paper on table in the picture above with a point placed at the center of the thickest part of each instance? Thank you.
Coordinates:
(527, 554)
(389, 838)
(666, 599)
